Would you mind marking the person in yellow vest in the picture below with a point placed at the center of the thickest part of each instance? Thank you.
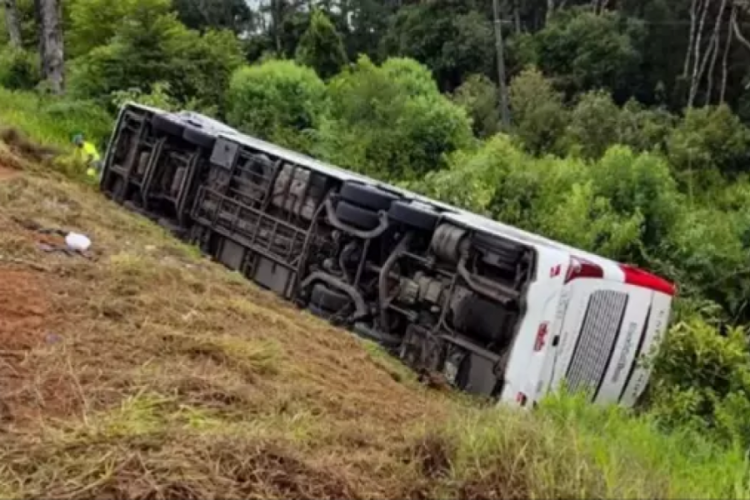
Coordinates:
(89, 154)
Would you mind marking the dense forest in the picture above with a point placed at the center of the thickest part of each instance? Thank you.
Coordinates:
(625, 134)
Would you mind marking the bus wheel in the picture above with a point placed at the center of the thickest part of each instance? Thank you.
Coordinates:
(356, 216)
(413, 216)
(366, 196)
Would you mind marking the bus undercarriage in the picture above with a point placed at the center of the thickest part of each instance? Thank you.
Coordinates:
(443, 297)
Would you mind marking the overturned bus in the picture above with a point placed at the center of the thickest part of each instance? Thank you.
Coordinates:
(497, 311)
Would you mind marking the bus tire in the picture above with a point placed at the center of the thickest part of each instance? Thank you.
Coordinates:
(163, 123)
(356, 216)
(413, 216)
(366, 196)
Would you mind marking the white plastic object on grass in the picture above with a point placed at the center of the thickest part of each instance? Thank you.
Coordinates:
(77, 241)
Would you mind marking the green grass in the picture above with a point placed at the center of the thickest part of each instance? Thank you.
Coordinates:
(50, 121)
(570, 449)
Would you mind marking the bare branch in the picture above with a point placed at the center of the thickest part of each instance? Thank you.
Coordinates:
(716, 37)
(693, 9)
(725, 57)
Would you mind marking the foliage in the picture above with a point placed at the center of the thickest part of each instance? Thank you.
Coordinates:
(583, 50)
(94, 23)
(479, 96)
(710, 138)
(276, 100)
(593, 124)
(539, 116)
(148, 49)
(19, 69)
(53, 121)
(159, 97)
(390, 121)
(26, 14)
(714, 395)
(234, 15)
(450, 39)
(320, 47)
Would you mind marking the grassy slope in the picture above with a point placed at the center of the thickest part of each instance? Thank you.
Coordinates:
(153, 373)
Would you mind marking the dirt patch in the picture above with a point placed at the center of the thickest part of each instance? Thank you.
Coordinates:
(29, 382)
(23, 307)
(25, 147)
(7, 173)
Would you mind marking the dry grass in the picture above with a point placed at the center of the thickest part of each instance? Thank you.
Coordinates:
(177, 378)
(148, 372)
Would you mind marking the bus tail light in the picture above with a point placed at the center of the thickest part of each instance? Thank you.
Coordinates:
(582, 268)
(637, 277)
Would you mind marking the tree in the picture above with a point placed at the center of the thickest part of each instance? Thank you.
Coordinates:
(478, 95)
(709, 140)
(539, 115)
(581, 50)
(150, 48)
(321, 47)
(449, 38)
(203, 15)
(51, 44)
(276, 100)
(94, 23)
(593, 125)
(13, 23)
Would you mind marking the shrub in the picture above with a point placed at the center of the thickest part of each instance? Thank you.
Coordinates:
(702, 381)
(276, 100)
(19, 69)
(391, 121)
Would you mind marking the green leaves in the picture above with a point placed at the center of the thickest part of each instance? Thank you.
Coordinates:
(321, 47)
(276, 100)
(390, 121)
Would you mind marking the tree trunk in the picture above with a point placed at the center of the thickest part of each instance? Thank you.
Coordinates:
(697, 55)
(500, 49)
(725, 57)
(13, 23)
(691, 40)
(714, 57)
(51, 44)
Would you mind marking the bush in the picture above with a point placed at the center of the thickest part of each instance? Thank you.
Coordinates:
(54, 121)
(391, 121)
(709, 139)
(19, 69)
(713, 394)
(276, 100)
